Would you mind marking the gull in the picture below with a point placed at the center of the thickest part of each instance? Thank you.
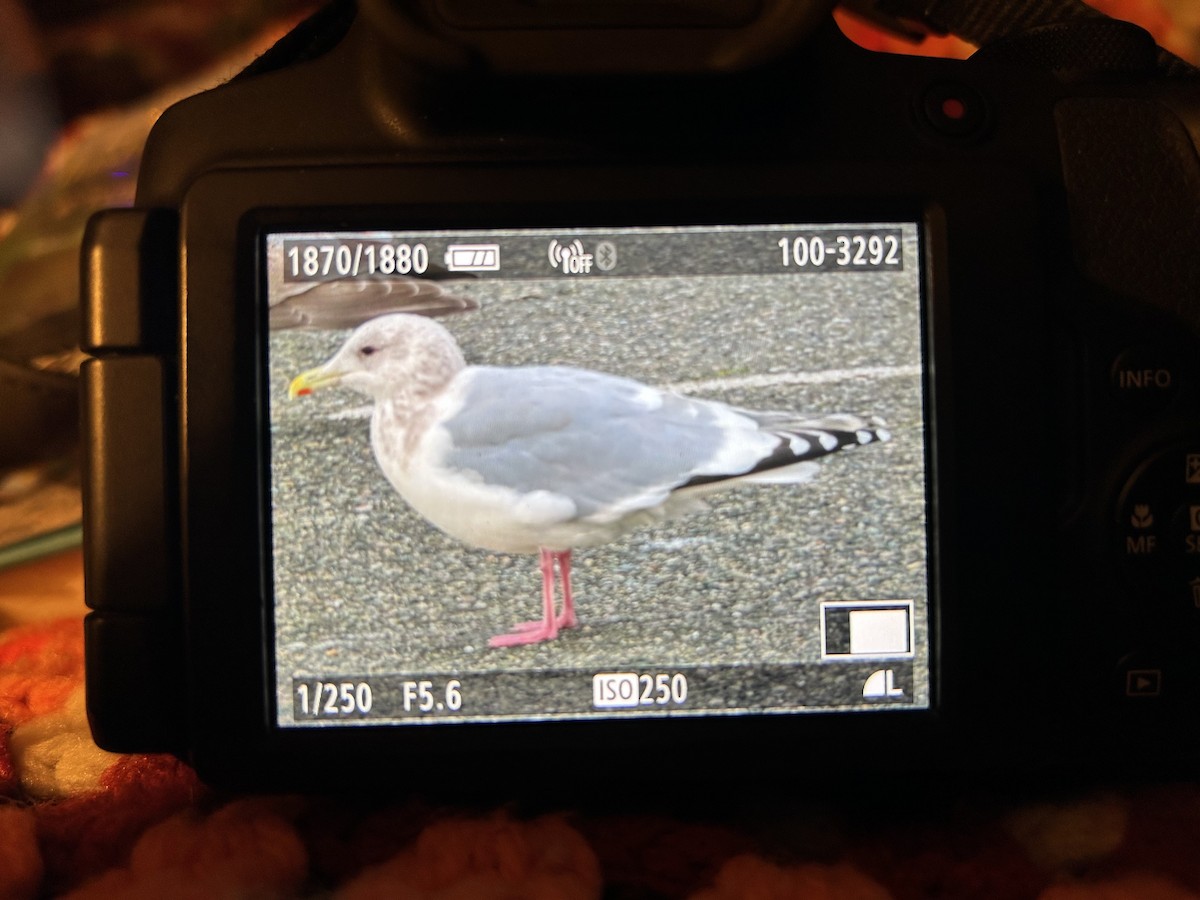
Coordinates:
(548, 459)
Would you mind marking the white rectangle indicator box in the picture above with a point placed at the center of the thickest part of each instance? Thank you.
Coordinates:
(851, 630)
(876, 632)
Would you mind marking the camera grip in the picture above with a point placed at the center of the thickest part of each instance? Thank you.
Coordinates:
(1132, 178)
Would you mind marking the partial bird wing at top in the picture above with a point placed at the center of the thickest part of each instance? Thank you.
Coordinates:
(347, 303)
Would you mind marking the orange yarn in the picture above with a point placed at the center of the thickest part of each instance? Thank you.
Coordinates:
(40, 665)
(20, 863)
(247, 848)
(84, 835)
(752, 878)
(1125, 887)
(497, 858)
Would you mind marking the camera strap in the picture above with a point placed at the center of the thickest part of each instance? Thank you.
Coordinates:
(311, 38)
(1057, 34)
(984, 23)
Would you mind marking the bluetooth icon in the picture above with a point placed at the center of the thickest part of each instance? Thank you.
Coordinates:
(606, 256)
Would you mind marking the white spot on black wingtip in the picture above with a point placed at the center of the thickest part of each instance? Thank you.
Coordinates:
(864, 436)
(882, 434)
(828, 441)
(799, 446)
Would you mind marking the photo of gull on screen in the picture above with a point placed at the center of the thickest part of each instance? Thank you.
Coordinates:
(706, 461)
(547, 459)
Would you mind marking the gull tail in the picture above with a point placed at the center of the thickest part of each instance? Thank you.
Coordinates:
(801, 440)
(797, 473)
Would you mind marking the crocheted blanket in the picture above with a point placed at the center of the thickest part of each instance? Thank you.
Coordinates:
(79, 822)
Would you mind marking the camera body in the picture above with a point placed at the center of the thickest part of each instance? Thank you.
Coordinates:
(1011, 581)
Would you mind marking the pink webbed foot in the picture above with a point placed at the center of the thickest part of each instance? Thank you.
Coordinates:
(535, 634)
(546, 628)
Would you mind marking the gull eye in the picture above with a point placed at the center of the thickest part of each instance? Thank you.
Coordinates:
(366, 351)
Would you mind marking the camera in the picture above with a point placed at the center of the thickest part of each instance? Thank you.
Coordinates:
(828, 411)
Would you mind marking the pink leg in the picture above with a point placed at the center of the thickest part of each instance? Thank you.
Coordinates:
(547, 627)
(567, 619)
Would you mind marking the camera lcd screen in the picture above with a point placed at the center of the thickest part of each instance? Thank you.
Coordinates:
(713, 438)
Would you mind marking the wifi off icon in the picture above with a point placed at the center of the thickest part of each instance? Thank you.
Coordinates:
(570, 258)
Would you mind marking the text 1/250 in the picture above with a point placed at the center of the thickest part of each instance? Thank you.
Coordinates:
(332, 699)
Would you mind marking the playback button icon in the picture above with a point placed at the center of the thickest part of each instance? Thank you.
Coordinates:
(1143, 682)
(1163, 673)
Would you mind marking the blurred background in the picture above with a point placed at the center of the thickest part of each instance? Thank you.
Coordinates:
(60, 59)
(81, 82)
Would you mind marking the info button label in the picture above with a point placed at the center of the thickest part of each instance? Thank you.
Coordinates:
(1145, 375)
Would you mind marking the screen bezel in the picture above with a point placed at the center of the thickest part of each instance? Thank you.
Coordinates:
(228, 608)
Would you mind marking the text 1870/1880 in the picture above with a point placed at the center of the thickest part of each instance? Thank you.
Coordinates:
(327, 260)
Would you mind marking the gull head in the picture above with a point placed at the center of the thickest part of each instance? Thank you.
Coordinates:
(397, 354)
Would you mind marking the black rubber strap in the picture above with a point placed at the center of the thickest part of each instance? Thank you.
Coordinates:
(981, 23)
(984, 23)
(313, 37)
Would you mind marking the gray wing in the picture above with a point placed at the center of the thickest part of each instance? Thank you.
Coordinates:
(348, 303)
(610, 444)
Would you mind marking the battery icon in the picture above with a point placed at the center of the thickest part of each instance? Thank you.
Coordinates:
(473, 257)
